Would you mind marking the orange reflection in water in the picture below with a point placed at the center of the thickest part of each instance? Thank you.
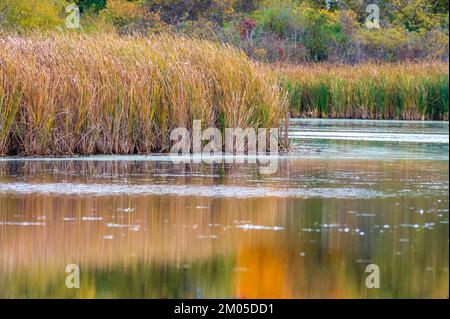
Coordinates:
(194, 247)
(262, 273)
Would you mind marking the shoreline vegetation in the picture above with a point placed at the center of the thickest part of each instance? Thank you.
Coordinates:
(66, 94)
(397, 91)
(106, 94)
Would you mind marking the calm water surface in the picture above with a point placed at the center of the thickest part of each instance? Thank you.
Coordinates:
(351, 193)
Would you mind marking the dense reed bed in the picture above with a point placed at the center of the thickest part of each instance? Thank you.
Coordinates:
(372, 91)
(105, 94)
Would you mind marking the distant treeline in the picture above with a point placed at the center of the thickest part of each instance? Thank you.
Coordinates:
(290, 31)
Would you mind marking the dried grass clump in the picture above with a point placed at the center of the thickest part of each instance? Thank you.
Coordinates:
(105, 94)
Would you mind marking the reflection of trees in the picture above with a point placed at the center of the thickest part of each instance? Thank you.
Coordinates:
(191, 247)
(186, 246)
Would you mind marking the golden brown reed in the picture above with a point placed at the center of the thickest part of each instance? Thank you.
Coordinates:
(105, 94)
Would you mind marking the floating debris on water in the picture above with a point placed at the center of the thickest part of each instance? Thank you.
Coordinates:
(87, 218)
(125, 210)
(259, 227)
(22, 224)
(207, 236)
(218, 191)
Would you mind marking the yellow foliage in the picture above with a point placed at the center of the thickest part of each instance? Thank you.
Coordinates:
(388, 38)
(122, 12)
(28, 14)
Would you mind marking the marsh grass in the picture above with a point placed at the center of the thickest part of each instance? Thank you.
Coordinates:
(105, 94)
(409, 91)
(64, 94)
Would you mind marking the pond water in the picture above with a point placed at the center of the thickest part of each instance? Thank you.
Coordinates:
(351, 193)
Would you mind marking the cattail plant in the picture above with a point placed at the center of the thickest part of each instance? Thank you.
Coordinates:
(409, 91)
(105, 94)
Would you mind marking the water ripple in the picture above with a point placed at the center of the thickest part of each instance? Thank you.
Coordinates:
(219, 191)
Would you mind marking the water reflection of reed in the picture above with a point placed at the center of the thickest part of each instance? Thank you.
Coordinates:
(172, 245)
(385, 175)
(176, 246)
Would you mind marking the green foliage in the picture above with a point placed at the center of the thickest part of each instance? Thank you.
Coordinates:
(31, 14)
(279, 19)
(315, 29)
(94, 5)
(409, 30)
(321, 31)
(416, 15)
(123, 14)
